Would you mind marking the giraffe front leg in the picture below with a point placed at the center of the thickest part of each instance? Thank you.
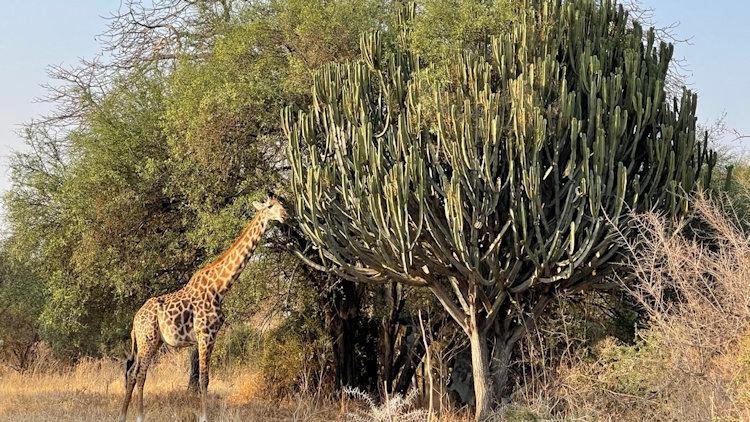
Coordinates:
(205, 348)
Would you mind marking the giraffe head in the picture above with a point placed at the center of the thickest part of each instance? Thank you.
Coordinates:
(272, 209)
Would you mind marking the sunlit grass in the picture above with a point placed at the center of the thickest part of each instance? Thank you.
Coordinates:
(93, 391)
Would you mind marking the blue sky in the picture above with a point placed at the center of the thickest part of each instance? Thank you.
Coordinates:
(38, 33)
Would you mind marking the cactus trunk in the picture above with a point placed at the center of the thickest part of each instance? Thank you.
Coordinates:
(480, 368)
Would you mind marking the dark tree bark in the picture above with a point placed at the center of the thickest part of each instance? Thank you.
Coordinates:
(194, 374)
(340, 305)
(391, 344)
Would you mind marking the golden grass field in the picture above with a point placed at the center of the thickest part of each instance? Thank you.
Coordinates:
(93, 391)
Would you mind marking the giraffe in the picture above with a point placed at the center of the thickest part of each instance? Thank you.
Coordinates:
(193, 315)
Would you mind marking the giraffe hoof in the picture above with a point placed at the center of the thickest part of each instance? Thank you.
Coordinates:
(140, 419)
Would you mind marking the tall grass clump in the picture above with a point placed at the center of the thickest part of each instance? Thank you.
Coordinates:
(394, 408)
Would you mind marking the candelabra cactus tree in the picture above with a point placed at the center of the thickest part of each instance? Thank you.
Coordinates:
(505, 181)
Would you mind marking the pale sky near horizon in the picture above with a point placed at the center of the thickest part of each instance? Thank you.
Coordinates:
(38, 33)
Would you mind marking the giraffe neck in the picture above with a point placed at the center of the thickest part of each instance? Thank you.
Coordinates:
(228, 267)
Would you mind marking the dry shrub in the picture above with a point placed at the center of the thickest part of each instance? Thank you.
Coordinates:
(283, 361)
(694, 284)
(18, 338)
(552, 381)
(691, 363)
(43, 360)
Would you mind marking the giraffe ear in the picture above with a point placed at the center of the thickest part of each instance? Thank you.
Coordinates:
(258, 205)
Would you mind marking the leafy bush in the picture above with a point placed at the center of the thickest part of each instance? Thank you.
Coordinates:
(21, 298)
(235, 345)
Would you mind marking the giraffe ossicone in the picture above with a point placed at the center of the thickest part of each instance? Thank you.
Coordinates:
(193, 315)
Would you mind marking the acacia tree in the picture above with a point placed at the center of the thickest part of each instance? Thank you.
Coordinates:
(503, 183)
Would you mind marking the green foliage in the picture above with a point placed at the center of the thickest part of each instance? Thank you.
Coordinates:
(220, 128)
(317, 32)
(636, 370)
(442, 28)
(104, 250)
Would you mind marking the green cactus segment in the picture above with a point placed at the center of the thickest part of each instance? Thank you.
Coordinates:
(509, 169)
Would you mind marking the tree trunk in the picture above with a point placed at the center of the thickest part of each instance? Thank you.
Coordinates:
(480, 366)
(385, 357)
(406, 365)
(507, 333)
(194, 374)
(341, 332)
(391, 342)
(500, 366)
(340, 302)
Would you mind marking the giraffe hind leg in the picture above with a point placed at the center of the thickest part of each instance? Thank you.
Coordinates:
(131, 369)
(144, 361)
(128, 364)
(145, 342)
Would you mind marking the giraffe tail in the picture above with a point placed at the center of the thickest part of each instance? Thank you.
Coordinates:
(133, 352)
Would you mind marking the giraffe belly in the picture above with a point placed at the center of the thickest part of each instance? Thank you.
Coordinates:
(177, 335)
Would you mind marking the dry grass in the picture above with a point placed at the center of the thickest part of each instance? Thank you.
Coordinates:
(93, 391)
